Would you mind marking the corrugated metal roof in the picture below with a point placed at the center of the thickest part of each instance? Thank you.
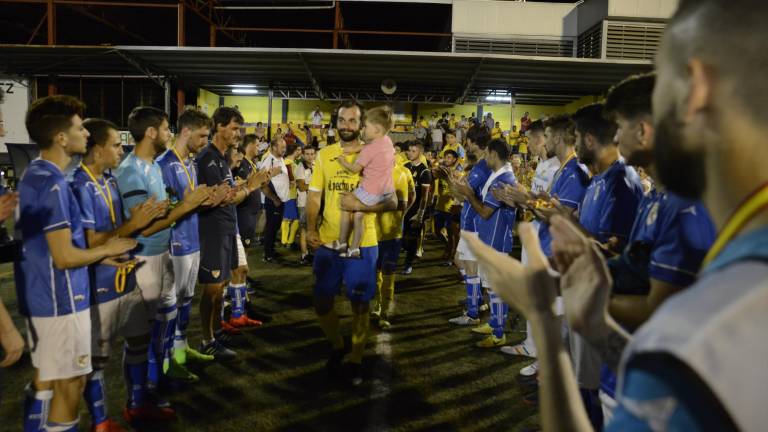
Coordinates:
(420, 76)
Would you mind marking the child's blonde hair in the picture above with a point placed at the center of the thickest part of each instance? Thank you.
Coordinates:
(382, 116)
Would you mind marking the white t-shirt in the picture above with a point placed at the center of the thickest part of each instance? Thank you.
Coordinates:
(437, 135)
(317, 118)
(280, 182)
(305, 174)
(544, 174)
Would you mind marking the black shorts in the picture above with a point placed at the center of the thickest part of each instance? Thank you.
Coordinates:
(218, 256)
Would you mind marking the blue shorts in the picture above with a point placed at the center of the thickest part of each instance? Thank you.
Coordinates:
(291, 210)
(389, 251)
(358, 275)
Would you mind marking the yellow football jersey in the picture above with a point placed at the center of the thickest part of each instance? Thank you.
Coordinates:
(330, 178)
(293, 192)
(389, 225)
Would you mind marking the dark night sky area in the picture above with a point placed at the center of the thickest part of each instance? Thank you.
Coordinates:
(97, 25)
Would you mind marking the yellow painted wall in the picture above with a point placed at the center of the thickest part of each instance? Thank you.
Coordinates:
(207, 101)
(578, 103)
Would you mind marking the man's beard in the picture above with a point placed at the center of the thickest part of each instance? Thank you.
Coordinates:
(680, 170)
(348, 135)
(586, 156)
(550, 153)
(159, 145)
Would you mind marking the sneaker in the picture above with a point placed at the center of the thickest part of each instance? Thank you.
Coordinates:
(333, 365)
(178, 372)
(492, 342)
(384, 324)
(195, 356)
(149, 413)
(420, 253)
(218, 351)
(530, 370)
(464, 320)
(408, 270)
(518, 350)
(229, 329)
(244, 322)
(223, 337)
(484, 307)
(483, 329)
(108, 425)
(353, 373)
(254, 314)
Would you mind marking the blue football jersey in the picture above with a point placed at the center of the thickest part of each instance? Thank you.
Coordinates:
(138, 181)
(95, 215)
(47, 204)
(679, 232)
(476, 179)
(497, 230)
(569, 185)
(185, 238)
(610, 203)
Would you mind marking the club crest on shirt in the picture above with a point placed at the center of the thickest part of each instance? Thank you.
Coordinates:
(82, 361)
(215, 273)
(652, 214)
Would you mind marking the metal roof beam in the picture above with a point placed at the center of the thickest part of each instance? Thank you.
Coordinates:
(312, 78)
(470, 81)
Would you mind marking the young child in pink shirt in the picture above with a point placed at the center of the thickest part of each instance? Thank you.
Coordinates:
(376, 161)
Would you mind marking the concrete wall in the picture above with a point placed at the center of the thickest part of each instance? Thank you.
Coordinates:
(642, 8)
(499, 18)
(590, 13)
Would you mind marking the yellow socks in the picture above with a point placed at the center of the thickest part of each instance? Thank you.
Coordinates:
(360, 323)
(330, 325)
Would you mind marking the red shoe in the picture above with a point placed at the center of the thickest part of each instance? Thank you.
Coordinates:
(108, 425)
(149, 413)
(229, 329)
(243, 321)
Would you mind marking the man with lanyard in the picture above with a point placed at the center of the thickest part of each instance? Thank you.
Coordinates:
(52, 283)
(670, 236)
(477, 140)
(117, 307)
(330, 181)
(495, 222)
(180, 176)
(389, 231)
(698, 362)
(218, 233)
(276, 194)
(248, 210)
(542, 181)
(139, 179)
(606, 214)
(414, 218)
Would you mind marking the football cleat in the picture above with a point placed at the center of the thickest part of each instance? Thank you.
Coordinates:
(108, 425)
(492, 342)
(243, 322)
(464, 320)
(483, 329)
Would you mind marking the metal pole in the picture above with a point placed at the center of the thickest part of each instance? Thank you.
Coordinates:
(511, 110)
(167, 88)
(269, 116)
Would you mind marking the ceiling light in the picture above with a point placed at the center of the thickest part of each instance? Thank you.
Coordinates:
(242, 85)
(497, 98)
(245, 91)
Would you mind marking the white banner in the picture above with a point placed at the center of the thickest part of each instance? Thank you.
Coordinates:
(14, 108)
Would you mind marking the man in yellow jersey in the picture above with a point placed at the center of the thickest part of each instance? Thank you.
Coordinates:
(290, 224)
(496, 131)
(443, 217)
(330, 182)
(389, 231)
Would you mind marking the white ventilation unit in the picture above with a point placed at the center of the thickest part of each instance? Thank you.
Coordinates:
(631, 40)
(525, 47)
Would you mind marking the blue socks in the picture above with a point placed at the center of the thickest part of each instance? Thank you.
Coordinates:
(236, 294)
(135, 367)
(499, 313)
(182, 322)
(95, 397)
(36, 407)
(473, 296)
(163, 330)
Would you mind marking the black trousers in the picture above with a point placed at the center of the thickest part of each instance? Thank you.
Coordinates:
(411, 238)
(273, 217)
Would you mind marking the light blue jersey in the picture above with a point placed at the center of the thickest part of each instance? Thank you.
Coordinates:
(138, 181)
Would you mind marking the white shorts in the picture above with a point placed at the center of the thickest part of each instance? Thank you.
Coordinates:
(463, 252)
(60, 346)
(154, 277)
(125, 316)
(485, 283)
(185, 269)
(242, 259)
